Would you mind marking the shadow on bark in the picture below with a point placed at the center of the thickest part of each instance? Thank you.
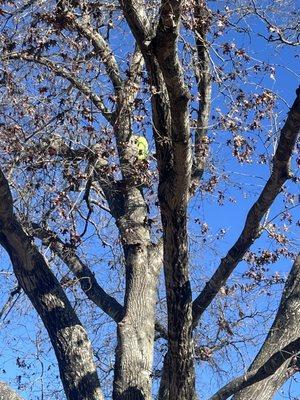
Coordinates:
(132, 393)
(88, 384)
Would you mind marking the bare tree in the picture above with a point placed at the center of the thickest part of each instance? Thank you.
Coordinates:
(72, 108)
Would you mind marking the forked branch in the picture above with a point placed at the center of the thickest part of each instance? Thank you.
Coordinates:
(67, 74)
(269, 368)
(251, 231)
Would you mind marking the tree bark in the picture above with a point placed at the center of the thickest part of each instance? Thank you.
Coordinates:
(173, 193)
(285, 329)
(180, 369)
(69, 339)
(134, 352)
(269, 368)
(135, 332)
(174, 158)
(6, 393)
(202, 17)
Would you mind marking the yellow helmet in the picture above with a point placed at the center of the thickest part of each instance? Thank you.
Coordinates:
(142, 148)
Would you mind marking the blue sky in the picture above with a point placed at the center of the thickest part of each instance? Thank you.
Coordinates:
(23, 337)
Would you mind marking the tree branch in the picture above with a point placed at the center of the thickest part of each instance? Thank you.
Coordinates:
(65, 73)
(85, 276)
(280, 173)
(284, 330)
(100, 45)
(132, 84)
(143, 34)
(265, 371)
(164, 47)
(273, 28)
(10, 302)
(76, 365)
(203, 77)
(102, 48)
(134, 12)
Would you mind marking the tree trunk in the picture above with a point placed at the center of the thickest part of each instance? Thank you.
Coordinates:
(70, 342)
(179, 366)
(174, 158)
(285, 329)
(134, 352)
(135, 333)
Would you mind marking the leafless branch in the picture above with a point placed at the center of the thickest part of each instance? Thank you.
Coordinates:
(85, 276)
(101, 47)
(251, 230)
(64, 73)
(283, 331)
(275, 30)
(10, 302)
(269, 368)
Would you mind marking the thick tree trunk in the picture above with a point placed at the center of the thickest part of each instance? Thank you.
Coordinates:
(135, 334)
(134, 352)
(285, 329)
(174, 158)
(180, 366)
(164, 392)
(68, 337)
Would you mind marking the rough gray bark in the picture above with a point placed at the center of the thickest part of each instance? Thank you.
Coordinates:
(289, 352)
(202, 73)
(133, 364)
(203, 77)
(285, 329)
(134, 352)
(170, 121)
(172, 136)
(173, 192)
(68, 337)
(135, 333)
(6, 393)
(170, 105)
